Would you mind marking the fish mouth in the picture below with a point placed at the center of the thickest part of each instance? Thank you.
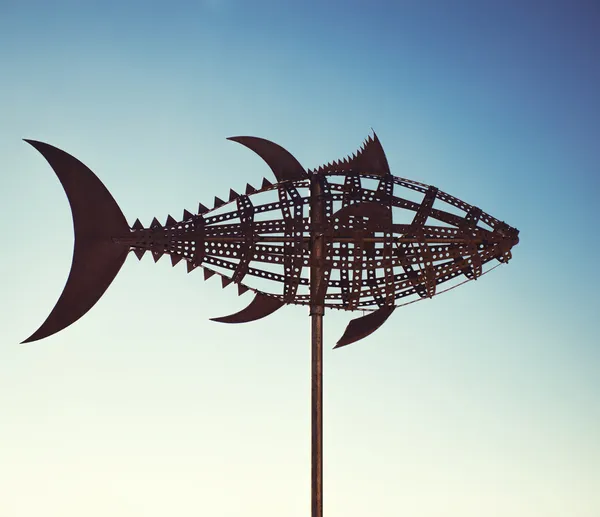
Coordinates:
(509, 234)
(509, 238)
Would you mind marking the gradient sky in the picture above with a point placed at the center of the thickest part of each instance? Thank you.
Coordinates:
(481, 402)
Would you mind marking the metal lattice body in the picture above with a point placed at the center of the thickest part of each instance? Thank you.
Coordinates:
(371, 260)
(385, 238)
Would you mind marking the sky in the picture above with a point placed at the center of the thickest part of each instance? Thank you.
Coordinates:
(483, 401)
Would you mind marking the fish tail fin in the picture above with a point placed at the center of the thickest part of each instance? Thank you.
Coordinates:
(97, 220)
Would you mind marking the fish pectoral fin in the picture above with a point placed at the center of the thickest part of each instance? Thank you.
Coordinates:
(379, 218)
(361, 327)
(373, 210)
(261, 306)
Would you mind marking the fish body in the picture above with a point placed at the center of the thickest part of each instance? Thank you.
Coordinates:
(385, 238)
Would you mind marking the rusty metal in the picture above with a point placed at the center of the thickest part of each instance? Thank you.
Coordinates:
(264, 238)
(347, 235)
(317, 309)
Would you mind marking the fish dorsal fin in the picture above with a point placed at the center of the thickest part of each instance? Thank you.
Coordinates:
(369, 159)
(283, 164)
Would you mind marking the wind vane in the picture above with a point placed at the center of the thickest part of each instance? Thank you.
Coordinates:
(320, 238)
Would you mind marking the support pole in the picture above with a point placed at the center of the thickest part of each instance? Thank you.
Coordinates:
(317, 309)
(317, 416)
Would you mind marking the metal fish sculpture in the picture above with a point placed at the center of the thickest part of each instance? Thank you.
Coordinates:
(384, 238)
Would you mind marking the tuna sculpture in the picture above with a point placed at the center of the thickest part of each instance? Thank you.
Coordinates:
(381, 238)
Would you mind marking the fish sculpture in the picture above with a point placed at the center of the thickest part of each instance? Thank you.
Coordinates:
(385, 238)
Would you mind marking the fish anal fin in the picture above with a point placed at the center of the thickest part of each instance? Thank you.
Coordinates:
(361, 327)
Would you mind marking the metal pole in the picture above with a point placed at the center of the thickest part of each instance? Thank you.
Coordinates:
(316, 313)
(317, 416)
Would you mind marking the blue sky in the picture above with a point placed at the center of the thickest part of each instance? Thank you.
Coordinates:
(484, 401)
